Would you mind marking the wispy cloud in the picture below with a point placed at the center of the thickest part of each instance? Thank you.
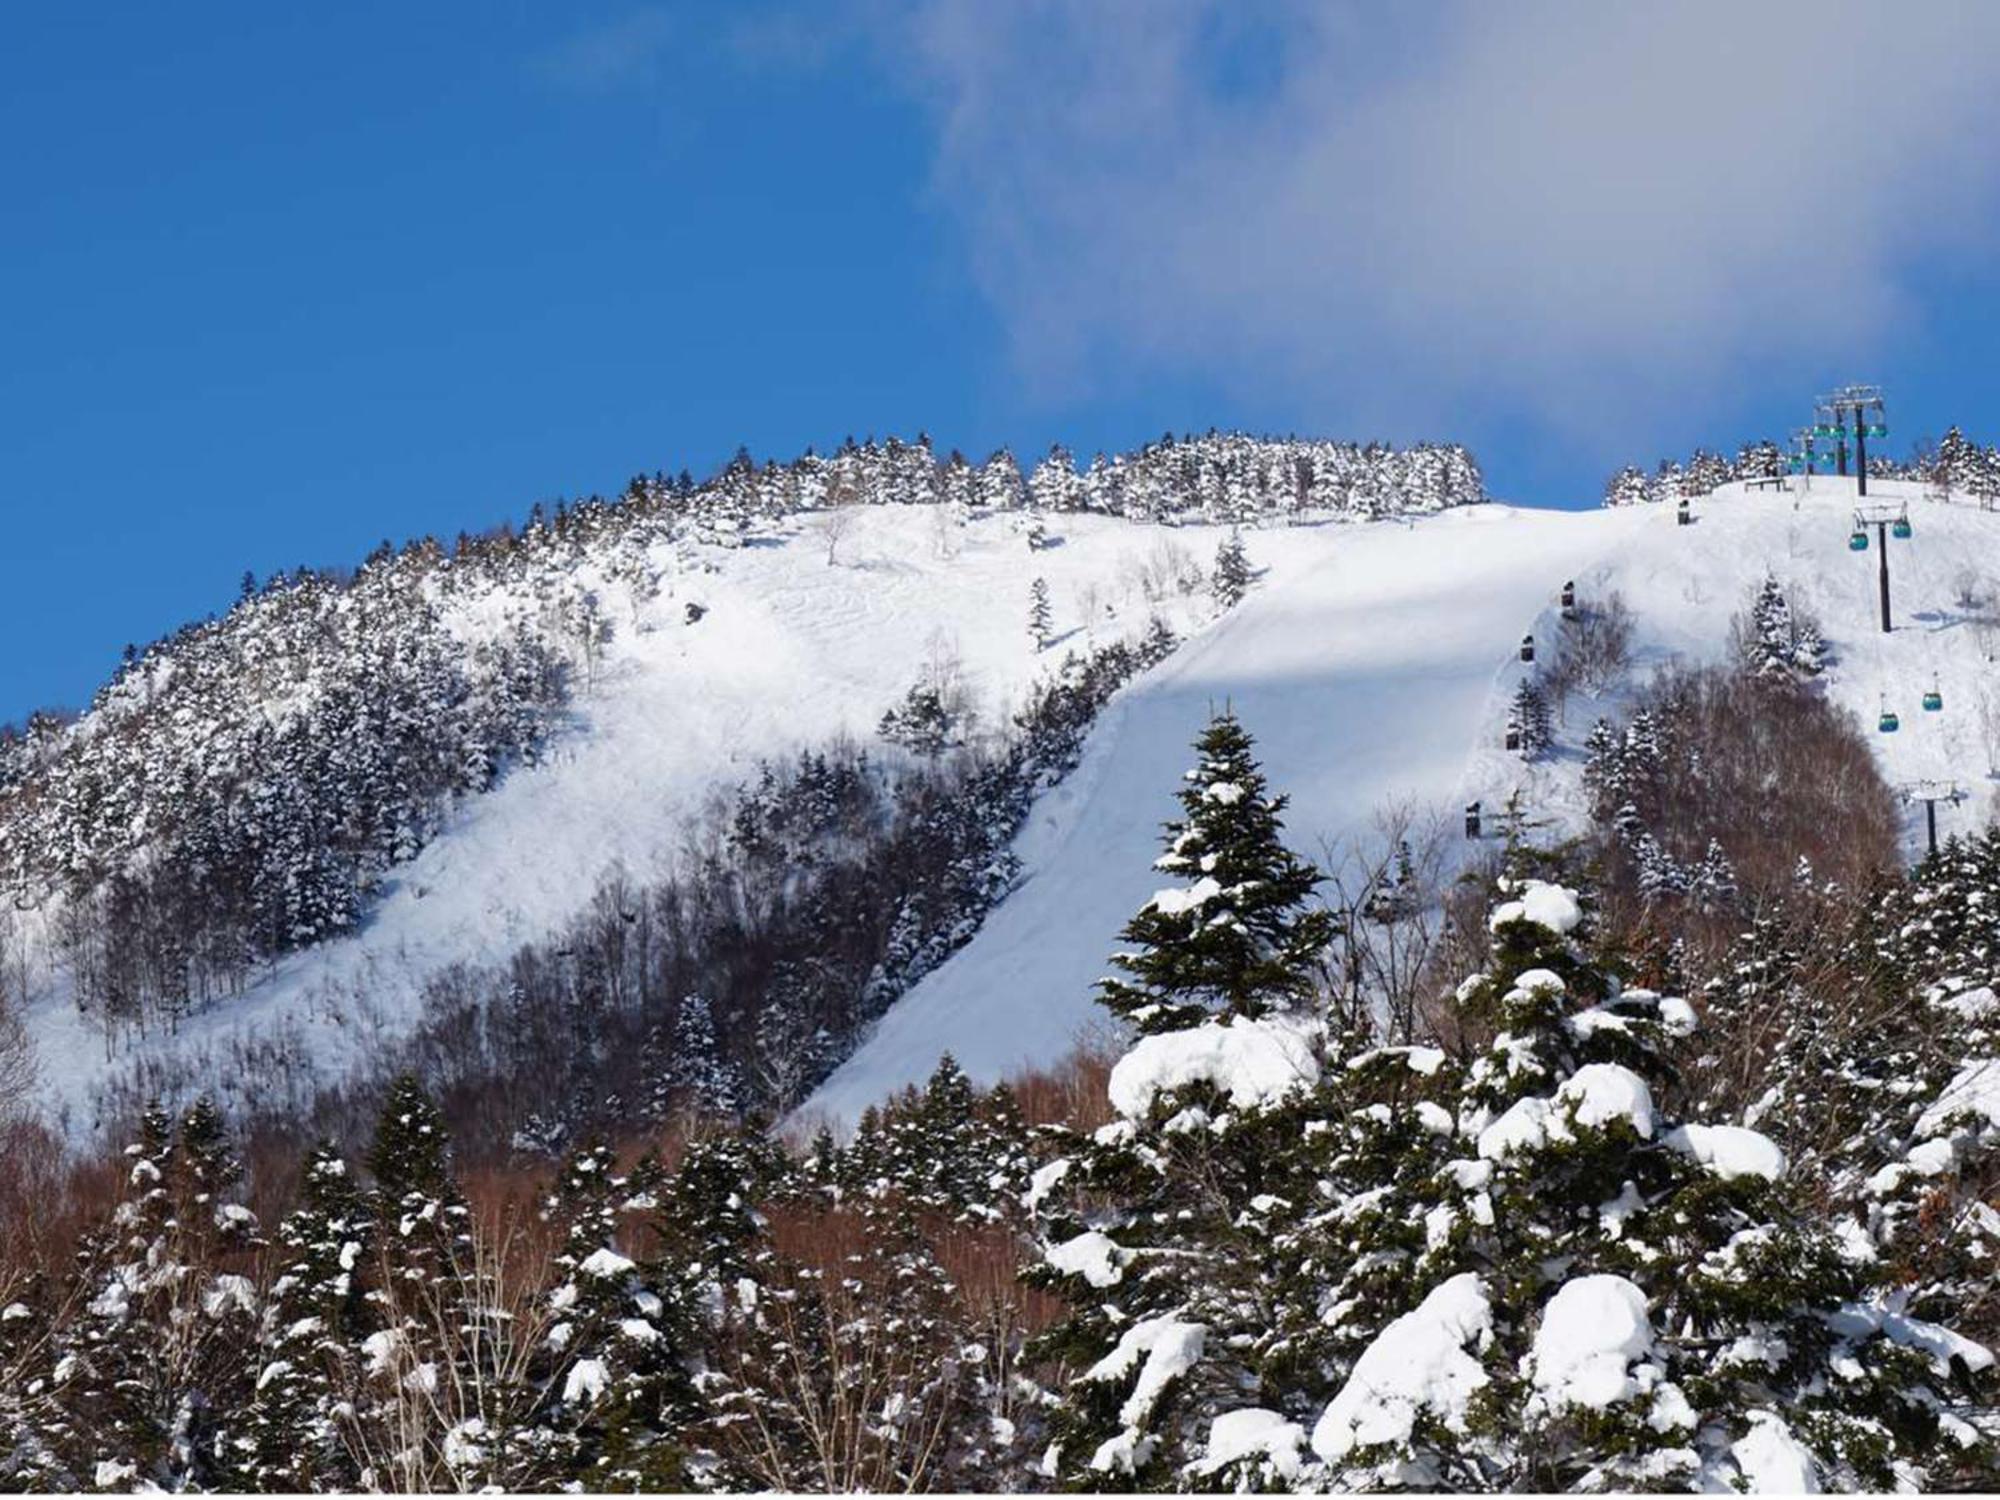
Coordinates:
(613, 54)
(1558, 209)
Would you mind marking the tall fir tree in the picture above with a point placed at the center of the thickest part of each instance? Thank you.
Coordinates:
(1239, 939)
(1039, 616)
(317, 1317)
(1231, 578)
(1157, 1229)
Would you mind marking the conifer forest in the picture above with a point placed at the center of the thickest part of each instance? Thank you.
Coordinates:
(986, 747)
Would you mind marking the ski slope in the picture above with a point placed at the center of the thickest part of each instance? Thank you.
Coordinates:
(801, 642)
(1373, 663)
(1379, 670)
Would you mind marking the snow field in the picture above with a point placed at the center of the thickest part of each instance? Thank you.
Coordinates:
(791, 653)
(1374, 664)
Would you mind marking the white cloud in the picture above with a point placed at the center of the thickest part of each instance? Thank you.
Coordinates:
(1554, 208)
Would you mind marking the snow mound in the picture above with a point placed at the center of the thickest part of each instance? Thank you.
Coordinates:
(585, 1382)
(605, 1263)
(1730, 1151)
(1093, 1256)
(1420, 1366)
(1255, 1062)
(1772, 1461)
(1542, 903)
(1860, 1320)
(1595, 1095)
(1593, 1331)
(1177, 901)
(1974, 1092)
(1169, 1348)
(1969, 1005)
(1253, 1432)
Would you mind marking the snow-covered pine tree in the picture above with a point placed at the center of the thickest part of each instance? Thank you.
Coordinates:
(1629, 486)
(1231, 578)
(924, 722)
(1955, 461)
(1055, 486)
(155, 1369)
(1713, 884)
(1237, 941)
(1777, 639)
(947, 1148)
(316, 1318)
(1529, 728)
(613, 1366)
(698, 1077)
(1040, 619)
(1613, 1298)
(1882, 1080)
(1660, 876)
(439, 1390)
(1158, 1229)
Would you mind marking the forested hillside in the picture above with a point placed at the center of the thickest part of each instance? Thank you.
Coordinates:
(1565, 1227)
(253, 786)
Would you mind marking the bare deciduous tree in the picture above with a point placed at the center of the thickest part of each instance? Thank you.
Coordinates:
(1385, 888)
(838, 522)
(1592, 651)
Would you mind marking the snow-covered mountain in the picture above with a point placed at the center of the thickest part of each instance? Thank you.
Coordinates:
(1375, 668)
(1374, 663)
(270, 831)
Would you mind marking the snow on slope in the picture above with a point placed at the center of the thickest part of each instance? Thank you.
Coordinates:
(1379, 669)
(793, 651)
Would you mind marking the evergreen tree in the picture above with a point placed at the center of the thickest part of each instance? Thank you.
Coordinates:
(1614, 1299)
(1236, 941)
(945, 1148)
(1231, 579)
(152, 1373)
(1629, 486)
(614, 1386)
(1777, 639)
(1529, 728)
(1956, 461)
(317, 1317)
(1039, 618)
(1157, 1229)
(1713, 885)
(697, 1074)
(441, 1391)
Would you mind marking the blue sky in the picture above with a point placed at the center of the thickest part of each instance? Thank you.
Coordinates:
(278, 282)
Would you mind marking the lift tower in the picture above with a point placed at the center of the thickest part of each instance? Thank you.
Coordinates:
(1802, 457)
(1931, 793)
(1888, 521)
(1856, 408)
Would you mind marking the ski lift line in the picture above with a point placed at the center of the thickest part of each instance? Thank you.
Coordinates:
(1931, 793)
(1888, 521)
(1846, 412)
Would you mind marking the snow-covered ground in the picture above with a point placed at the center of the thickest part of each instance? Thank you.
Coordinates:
(1372, 662)
(1379, 670)
(793, 650)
